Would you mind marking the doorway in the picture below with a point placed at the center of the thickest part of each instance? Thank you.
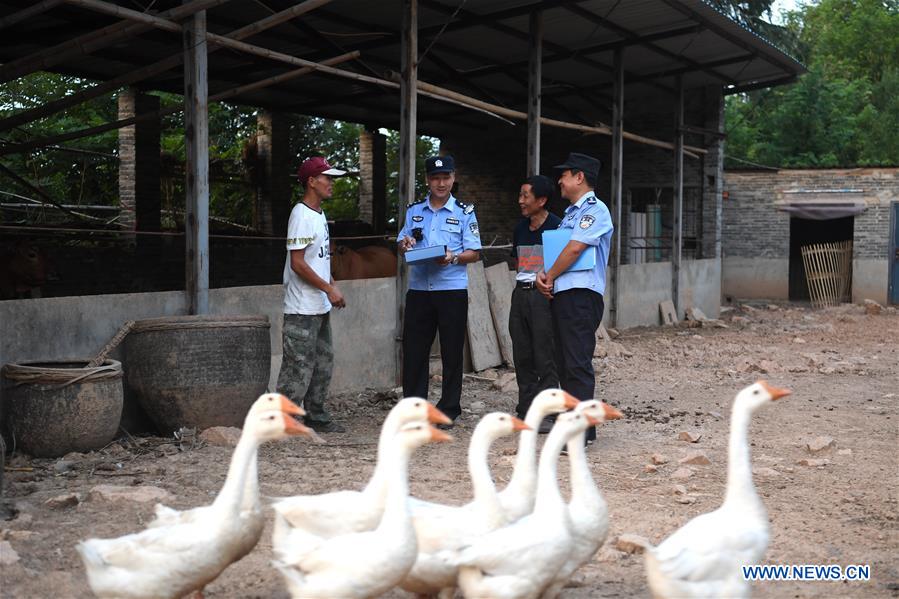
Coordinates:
(804, 231)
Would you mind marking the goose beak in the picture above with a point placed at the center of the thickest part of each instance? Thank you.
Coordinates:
(592, 421)
(571, 401)
(519, 425)
(294, 427)
(288, 407)
(436, 416)
(611, 413)
(775, 392)
(438, 436)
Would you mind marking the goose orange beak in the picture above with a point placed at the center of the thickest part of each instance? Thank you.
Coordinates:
(294, 427)
(591, 420)
(571, 401)
(775, 392)
(519, 425)
(436, 416)
(288, 407)
(438, 436)
(611, 413)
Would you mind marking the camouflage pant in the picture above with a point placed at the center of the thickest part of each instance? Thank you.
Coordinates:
(307, 363)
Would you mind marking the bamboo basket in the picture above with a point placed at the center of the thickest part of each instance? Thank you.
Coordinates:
(828, 271)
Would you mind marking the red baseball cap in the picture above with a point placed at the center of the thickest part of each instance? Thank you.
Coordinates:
(317, 165)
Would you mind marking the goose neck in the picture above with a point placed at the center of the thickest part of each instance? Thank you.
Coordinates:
(739, 466)
(548, 495)
(230, 497)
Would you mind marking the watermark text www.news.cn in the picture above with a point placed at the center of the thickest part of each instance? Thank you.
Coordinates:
(808, 572)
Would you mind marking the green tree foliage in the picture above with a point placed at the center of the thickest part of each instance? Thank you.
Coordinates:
(85, 171)
(845, 110)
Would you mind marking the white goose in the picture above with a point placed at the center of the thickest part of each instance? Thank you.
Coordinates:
(517, 498)
(703, 557)
(440, 527)
(250, 508)
(520, 560)
(587, 508)
(342, 512)
(169, 561)
(364, 564)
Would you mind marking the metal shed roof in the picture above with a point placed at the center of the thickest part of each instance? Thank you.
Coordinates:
(478, 48)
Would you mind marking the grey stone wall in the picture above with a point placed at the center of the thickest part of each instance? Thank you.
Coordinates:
(754, 228)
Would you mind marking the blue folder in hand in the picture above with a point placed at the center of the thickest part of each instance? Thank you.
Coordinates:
(418, 254)
(553, 243)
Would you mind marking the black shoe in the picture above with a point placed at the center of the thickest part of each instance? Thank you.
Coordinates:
(325, 427)
(545, 426)
(445, 427)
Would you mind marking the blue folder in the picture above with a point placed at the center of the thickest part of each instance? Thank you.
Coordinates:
(426, 253)
(553, 243)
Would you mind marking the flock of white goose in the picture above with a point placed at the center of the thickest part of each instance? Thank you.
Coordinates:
(522, 542)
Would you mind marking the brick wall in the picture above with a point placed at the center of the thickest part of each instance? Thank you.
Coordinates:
(754, 228)
(139, 164)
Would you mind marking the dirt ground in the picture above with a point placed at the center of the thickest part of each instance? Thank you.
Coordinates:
(841, 363)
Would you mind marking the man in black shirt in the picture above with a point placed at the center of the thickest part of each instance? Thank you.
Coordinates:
(530, 320)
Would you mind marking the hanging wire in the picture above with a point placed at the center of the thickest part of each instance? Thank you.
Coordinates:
(442, 29)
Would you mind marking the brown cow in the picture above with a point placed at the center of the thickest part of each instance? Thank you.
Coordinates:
(369, 262)
(23, 270)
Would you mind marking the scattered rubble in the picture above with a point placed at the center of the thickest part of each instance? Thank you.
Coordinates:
(819, 444)
(8, 555)
(697, 458)
(682, 473)
(61, 502)
(659, 459)
(629, 543)
(813, 462)
(221, 436)
(688, 437)
(141, 494)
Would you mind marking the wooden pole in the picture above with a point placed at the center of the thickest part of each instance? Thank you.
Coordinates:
(617, 173)
(139, 74)
(27, 13)
(196, 140)
(600, 129)
(54, 139)
(408, 139)
(535, 78)
(678, 235)
(43, 60)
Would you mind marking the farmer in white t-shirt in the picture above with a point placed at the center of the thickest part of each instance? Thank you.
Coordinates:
(309, 294)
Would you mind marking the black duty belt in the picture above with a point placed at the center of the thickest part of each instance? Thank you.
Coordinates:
(526, 284)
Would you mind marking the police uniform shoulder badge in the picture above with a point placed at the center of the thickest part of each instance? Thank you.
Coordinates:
(586, 221)
(410, 204)
(466, 208)
(473, 227)
(591, 200)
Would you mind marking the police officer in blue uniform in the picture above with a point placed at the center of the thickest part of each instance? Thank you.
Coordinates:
(437, 299)
(577, 296)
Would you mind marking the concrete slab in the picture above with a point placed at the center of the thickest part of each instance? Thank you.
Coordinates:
(482, 339)
(499, 291)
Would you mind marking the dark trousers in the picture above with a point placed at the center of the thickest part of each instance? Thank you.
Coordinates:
(531, 329)
(426, 313)
(576, 317)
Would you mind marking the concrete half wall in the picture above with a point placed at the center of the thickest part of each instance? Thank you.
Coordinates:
(756, 278)
(644, 286)
(870, 280)
(79, 327)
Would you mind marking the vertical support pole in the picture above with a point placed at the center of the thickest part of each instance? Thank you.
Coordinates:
(196, 141)
(378, 182)
(408, 121)
(617, 173)
(535, 77)
(678, 235)
(272, 206)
